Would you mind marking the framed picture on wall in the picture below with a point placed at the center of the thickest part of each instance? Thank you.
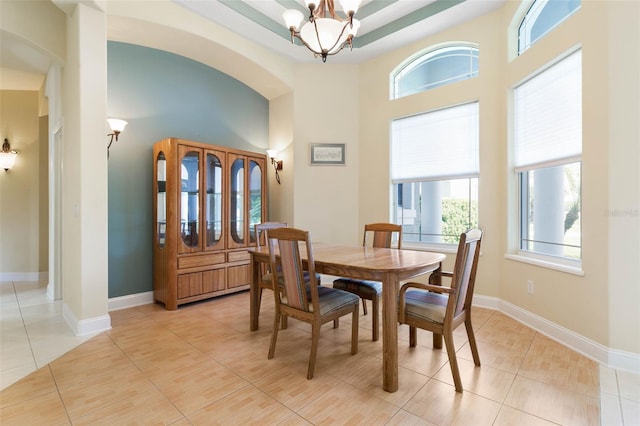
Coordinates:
(329, 154)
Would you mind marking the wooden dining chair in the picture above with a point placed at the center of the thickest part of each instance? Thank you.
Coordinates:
(440, 309)
(264, 280)
(311, 303)
(379, 235)
(261, 230)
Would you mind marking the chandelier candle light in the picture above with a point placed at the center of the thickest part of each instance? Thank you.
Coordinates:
(324, 35)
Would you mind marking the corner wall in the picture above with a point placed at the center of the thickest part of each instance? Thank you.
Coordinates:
(22, 197)
(601, 305)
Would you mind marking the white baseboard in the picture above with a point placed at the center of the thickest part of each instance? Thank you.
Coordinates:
(86, 326)
(24, 276)
(612, 358)
(130, 300)
(622, 360)
(486, 302)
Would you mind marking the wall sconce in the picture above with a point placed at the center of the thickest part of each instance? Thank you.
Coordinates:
(7, 156)
(277, 165)
(117, 126)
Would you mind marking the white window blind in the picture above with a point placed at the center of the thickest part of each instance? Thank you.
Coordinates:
(437, 145)
(548, 116)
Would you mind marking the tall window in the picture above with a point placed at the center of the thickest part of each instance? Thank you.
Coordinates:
(434, 172)
(542, 17)
(548, 159)
(434, 68)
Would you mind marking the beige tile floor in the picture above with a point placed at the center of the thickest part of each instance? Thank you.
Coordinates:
(201, 365)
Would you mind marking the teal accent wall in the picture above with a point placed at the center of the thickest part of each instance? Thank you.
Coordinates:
(163, 95)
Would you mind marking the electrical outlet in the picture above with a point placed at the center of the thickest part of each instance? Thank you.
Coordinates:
(530, 286)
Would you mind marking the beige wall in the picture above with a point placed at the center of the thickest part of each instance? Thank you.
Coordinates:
(623, 214)
(325, 105)
(577, 303)
(38, 23)
(22, 195)
(281, 139)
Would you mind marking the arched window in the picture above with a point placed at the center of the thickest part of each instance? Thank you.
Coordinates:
(433, 68)
(541, 18)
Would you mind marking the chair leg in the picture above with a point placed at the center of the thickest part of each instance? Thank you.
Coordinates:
(453, 361)
(437, 341)
(376, 318)
(354, 331)
(472, 341)
(364, 306)
(413, 336)
(315, 337)
(274, 334)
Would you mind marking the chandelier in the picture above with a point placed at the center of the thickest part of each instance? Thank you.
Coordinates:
(324, 35)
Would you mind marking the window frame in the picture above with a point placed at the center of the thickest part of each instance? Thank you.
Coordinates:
(424, 56)
(469, 175)
(561, 263)
(524, 41)
(523, 220)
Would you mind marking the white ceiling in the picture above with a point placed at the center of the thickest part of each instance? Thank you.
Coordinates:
(385, 25)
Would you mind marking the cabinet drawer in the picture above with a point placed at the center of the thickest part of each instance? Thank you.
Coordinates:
(202, 260)
(197, 283)
(238, 256)
(189, 285)
(214, 280)
(238, 276)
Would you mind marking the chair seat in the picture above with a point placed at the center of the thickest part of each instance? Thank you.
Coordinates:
(363, 288)
(331, 299)
(426, 305)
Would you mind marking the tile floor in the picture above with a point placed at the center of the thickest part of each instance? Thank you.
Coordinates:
(32, 330)
(201, 365)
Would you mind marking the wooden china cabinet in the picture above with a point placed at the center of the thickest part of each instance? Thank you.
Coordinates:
(207, 199)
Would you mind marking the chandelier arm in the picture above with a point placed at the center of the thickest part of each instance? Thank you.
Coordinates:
(323, 54)
(297, 35)
(326, 52)
(320, 10)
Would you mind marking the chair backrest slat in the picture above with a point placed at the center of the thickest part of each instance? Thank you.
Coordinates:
(285, 254)
(292, 274)
(465, 269)
(382, 234)
(261, 230)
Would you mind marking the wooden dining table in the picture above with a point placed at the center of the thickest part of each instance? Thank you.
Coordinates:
(389, 266)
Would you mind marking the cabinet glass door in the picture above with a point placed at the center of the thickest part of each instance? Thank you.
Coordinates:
(236, 201)
(161, 207)
(213, 200)
(255, 198)
(190, 200)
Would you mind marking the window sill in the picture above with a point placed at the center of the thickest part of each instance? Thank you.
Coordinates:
(546, 264)
(439, 248)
